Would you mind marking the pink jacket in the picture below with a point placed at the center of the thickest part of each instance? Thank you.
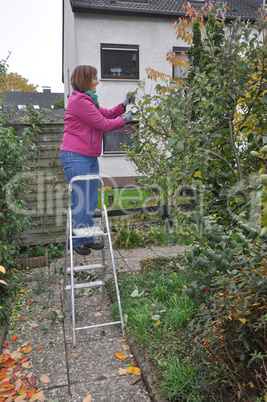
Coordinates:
(85, 124)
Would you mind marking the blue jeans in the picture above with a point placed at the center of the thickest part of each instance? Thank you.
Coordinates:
(84, 192)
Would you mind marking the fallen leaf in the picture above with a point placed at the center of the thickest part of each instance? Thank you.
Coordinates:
(2, 269)
(22, 391)
(30, 393)
(27, 365)
(14, 338)
(125, 347)
(20, 398)
(88, 398)
(38, 396)
(23, 359)
(40, 318)
(22, 319)
(122, 371)
(27, 349)
(25, 344)
(134, 363)
(30, 302)
(133, 370)
(8, 363)
(6, 384)
(18, 384)
(45, 379)
(98, 314)
(120, 356)
(83, 367)
(58, 312)
(77, 354)
(2, 281)
(32, 381)
(34, 325)
(136, 380)
(38, 347)
(5, 345)
(106, 314)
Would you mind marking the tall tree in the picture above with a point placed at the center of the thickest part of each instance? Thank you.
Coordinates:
(15, 82)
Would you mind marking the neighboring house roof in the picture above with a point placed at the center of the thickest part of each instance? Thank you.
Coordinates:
(39, 100)
(246, 9)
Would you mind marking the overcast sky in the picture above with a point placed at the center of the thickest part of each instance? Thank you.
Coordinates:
(32, 31)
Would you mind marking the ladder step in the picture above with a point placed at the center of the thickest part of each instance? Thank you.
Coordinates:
(88, 232)
(81, 268)
(94, 284)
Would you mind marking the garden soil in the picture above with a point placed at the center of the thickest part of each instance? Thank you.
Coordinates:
(91, 371)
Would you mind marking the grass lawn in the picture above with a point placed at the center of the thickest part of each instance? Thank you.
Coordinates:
(124, 198)
(156, 312)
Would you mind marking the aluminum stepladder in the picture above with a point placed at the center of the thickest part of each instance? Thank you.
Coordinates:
(96, 231)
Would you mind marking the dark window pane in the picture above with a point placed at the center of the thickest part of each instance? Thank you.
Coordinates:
(113, 140)
(119, 61)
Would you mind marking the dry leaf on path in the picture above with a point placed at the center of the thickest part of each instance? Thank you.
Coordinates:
(34, 325)
(27, 349)
(136, 380)
(83, 367)
(77, 354)
(125, 347)
(133, 370)
(122, 371)
(27, 365)
(38, 396)
(45, 379)
(88, 398)
(14, 338)
(98, 314)
(38, 347)
(120, 356)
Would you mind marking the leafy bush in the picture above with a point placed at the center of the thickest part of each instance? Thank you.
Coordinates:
(231, 287)
(15, 152)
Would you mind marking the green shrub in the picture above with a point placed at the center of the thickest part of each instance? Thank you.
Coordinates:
(230, 287)
(15, 152)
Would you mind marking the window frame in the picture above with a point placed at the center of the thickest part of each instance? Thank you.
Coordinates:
(119, 47)
(178, 49)
(126, 130)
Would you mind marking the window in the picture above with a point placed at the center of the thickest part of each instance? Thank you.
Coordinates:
(20, 107)
(181, 70)
(36, 106)
(119, 61)
(112, 140)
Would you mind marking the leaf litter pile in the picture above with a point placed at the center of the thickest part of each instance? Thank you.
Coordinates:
(16, 378)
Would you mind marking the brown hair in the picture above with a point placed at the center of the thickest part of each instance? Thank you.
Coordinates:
(82, 76)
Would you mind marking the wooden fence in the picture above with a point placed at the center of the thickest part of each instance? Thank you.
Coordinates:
(46, 202)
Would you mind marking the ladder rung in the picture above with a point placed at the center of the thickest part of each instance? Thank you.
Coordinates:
(86, 285)
(88, 232)
(99, 325)
(81, 268)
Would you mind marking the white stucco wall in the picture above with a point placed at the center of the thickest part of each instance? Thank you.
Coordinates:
(155, 37)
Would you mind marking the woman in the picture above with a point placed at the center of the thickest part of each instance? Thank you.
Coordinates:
(85, 121)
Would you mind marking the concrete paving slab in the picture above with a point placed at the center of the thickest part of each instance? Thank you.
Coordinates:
(95, 359)
(137, 254)
(169, 251)
(62, 394)
(50, 360)
(119, 390)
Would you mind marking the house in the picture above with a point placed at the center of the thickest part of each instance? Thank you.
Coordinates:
(121, 39)
(17, 102)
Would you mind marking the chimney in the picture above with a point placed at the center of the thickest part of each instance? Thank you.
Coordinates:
(46, 90)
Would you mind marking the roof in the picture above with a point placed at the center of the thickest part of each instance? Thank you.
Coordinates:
(246, 9)
(42, 99)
